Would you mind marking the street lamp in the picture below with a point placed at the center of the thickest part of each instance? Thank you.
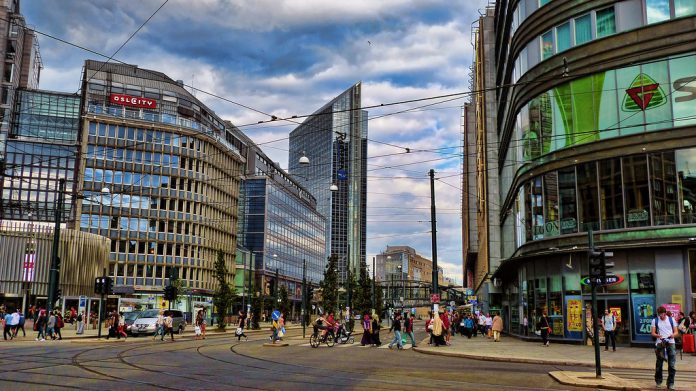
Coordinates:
(304, 160)
(401, 277)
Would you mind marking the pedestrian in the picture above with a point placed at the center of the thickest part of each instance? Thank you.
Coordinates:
(59, 325)
(396, 327)
(608, 323)
(80, 323)
(367, 330)
(525, 326)
(438, 331)
(664, 330)
(469, 326)
(408, 329)
(684, 324)
(40, 325)
(240, 326)
(445, 327)
(7, 329)
(375, 330)
(281, 326)
(121, 326)
(168, 323)
(489, 325)
(481, 324)
(497, 327)
(429, 327)
(274, 331)
(200, 323)
(73, 315)
(50, 325)
(159, 325)
(545, 327)
(20, 325)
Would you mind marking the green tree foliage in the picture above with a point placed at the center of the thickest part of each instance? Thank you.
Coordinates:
(329, 286)
(224, 293)
(379, 300)
(362, 292)
(257, 307)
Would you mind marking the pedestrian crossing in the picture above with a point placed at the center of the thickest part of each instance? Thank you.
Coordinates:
(357, 345)
(682, 378)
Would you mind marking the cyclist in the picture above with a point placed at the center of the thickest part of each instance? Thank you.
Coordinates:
(330, 325)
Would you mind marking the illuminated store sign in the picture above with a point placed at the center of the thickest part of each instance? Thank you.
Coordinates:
(133, 101)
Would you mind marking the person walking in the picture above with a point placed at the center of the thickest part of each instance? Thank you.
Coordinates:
(159, 325)
(201, 322)
(545, 327)
(240, 326)
(445, 327)
(497, 327)
(608, 323)
(50, 326)
(396, 327)
(429, 327)
(664, 330)
(121, 327)
(438, 330)
(469, 325)
(20, 325)
(80, 323)
(367, 331)
(60, 323)
(7, 329)
(375, 330)
(481, 324)
(525, 326)
(40, 325)
(168, 323)
(408, 329)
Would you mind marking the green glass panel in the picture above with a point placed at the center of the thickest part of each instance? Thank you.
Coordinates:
(658, 106)
(632, 119)
(563, 37)
(606, 22)
(683, 78)
(583, 29)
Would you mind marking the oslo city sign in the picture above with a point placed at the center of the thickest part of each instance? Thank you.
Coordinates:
(606, 280)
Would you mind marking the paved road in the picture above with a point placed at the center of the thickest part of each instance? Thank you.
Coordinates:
(220, 362)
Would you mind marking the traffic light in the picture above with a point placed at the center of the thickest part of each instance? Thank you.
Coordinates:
(109, 286)
(99, 285)
(597, 268)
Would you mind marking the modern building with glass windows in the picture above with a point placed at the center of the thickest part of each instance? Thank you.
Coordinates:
(591, 131)
(173, 168)
(334, 139)
(281, 226)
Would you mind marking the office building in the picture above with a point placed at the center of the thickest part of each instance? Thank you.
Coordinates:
(591, 138)
(334, 139)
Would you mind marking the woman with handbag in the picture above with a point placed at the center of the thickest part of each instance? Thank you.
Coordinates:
(545, 328)
(198, 328)
(240, 326)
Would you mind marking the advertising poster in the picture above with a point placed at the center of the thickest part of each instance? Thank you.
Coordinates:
(616, 311)
(573, 313)
(643, 313)
(674, 309)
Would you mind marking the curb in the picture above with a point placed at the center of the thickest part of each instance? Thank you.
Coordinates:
(581, 379)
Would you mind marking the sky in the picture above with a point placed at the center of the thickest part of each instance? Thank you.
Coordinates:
(290, 57)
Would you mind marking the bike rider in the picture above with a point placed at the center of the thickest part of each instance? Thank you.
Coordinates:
(330, 325)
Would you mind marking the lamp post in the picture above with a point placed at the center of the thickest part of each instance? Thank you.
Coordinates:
(401, 277)
(53, 274)
(373, 284)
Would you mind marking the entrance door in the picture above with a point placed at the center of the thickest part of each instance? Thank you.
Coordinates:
(618, 306)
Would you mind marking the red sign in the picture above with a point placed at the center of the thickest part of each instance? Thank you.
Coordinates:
(642, 95)
(133, 101)
(434, 297)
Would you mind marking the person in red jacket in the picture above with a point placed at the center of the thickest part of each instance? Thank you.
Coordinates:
(445, 326)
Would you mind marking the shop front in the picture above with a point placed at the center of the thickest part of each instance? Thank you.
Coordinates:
(553, 285)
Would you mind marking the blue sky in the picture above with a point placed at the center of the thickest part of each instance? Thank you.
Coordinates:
(290, 58)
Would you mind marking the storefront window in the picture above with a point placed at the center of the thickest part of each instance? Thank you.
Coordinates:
(568, 201)
(635, 172)
(588, 201)
(611, 195)
(685, 159)
(664, 188)
(552, 226)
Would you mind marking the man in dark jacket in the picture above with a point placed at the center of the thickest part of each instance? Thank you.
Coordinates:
(396, 327)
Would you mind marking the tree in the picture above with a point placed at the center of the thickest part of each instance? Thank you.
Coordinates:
(379, 298)
(257, 307)
(224, 293)
(284, 305)
(362, 293)
(329, 286)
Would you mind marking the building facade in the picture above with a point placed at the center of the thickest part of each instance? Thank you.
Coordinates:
(594, 123)
(334, 138)
(173, 169)
(281, 226)
(403, 272)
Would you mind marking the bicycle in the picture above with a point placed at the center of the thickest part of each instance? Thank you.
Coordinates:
(315, 339)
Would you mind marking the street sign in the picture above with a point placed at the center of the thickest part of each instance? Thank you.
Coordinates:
(434, 297)
(599, 281)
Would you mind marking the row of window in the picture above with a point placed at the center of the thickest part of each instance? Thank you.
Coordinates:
(128, 133)
(633, 191)
(134, 156)
(135, 224)
(125, 178)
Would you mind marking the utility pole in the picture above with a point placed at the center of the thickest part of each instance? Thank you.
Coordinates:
(373, 284)
(54, 273)
(251, 262)
(433, 229)
(304, 296)
(101, 304)
(595, 320)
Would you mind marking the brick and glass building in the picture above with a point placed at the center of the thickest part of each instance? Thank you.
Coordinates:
(583, 123)
(173, 168)
(334, 139)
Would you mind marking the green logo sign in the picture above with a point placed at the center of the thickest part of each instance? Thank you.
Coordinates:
(644, 93)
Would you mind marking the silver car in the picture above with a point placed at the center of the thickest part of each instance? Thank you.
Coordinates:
(147, 322)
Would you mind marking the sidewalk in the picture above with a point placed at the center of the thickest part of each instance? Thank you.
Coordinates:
(69, 332)
(511, 349)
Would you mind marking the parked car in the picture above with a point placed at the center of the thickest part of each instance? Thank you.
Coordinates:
(146, 323)
(129, 318)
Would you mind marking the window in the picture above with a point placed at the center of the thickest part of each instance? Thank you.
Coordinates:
(664, 188)
(563, 36)
(684, 8)
(583, 29)
(635, 173)
(657, 10)
(611, 196)
(547, 45)
(686, 158)
(588, 190)
(606, 22)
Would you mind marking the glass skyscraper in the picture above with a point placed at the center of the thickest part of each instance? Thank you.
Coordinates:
(334, 139)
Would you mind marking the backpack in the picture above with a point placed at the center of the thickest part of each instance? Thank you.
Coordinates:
(79, 318)
(654, 324)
